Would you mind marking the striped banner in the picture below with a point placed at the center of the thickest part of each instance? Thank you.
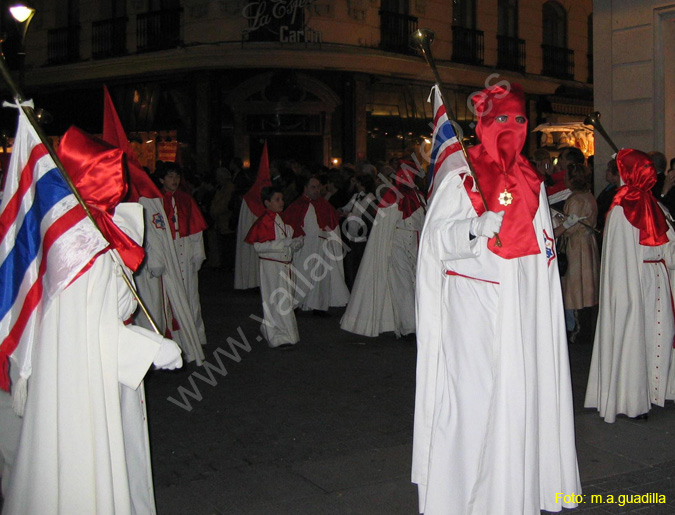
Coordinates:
(45, 241)
(447, 158)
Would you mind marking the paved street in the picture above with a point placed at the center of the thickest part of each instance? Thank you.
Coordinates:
(326, 427)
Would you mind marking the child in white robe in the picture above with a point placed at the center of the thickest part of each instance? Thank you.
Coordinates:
(274, 243)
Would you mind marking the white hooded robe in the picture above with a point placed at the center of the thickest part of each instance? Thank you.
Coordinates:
(631, 364)
(84, 442)
(494, 423)
(383, 296)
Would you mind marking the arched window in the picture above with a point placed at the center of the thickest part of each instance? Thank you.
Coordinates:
(508, 18)
(464, 13)
(555, 24)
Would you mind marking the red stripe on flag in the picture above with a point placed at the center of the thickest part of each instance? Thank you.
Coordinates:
(8, 216)
(34, 295)
(439, 113)
(447, 151)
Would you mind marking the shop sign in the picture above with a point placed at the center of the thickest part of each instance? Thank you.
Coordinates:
(284, 18)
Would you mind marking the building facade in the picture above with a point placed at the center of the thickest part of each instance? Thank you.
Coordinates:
(635, 74)
(326, 81)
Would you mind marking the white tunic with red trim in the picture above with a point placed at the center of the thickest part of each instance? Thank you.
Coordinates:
(494, 423)
(320, 277)
(276, 286)
(161, 286)
(631, 365)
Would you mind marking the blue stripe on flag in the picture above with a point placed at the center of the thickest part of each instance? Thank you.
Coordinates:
(49, 190)
(445, 133)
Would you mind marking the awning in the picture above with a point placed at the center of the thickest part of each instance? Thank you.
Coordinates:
(563, 127)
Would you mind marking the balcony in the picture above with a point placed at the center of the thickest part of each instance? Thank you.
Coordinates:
(109, 38)
(511, 53)
(395, 30)
(467, 45)
(158, 30)
(63, 45)
(557, 62)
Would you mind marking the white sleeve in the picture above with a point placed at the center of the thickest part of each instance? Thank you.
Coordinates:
(136, 351)
(278, 245)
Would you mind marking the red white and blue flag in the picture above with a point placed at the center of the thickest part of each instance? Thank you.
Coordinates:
(447, 158)
(46, 239)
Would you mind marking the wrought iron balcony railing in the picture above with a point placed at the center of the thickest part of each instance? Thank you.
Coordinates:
(395, 29)
(159, 30)
(63, 45)
(511, 53)
(109, 38)
(467, 45)
(557, 62)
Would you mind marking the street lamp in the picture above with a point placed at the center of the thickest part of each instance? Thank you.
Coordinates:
(23, 14)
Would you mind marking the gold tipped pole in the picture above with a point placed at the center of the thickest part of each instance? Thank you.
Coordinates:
(32, 118)
(422, 39)
(593, 120)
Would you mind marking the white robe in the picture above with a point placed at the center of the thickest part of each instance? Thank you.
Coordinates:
(494, 423)
(631, 364)
(245, 261)
(191, 255)
(320, 276)
(84, 443)
(383, 296)
(276, 287)
(10, 429)
(160, 284)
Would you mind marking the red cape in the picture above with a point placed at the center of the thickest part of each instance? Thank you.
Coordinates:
(404, 193)
(517, 232)
(190, 219)
(263, 229)
(294, 215)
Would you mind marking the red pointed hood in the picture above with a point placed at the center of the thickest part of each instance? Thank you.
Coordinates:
(140, 184)
(252, 197)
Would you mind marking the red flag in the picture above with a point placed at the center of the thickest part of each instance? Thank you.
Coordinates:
(252, 197)
(140, 184)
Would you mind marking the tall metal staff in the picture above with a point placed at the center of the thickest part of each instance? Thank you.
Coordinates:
(32, 118)
(423, 38)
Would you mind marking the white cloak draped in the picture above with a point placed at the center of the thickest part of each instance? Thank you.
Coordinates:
(383, 296)
(494, 424)
(320, 276)
(631, 364)
(245, 260)
(161, 287)
(276, 287)
(84, 443)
